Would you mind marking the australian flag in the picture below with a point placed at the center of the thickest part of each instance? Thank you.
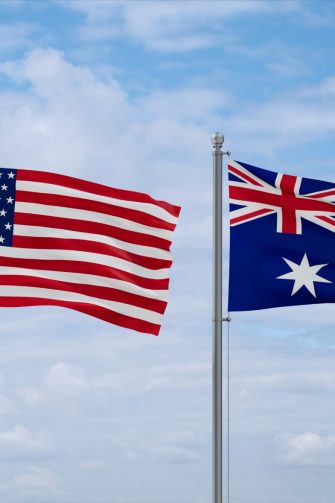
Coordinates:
(282, 239)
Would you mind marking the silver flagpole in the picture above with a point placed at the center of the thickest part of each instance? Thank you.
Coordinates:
(217, 140)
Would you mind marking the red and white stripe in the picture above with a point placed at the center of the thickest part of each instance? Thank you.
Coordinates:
(98, 250)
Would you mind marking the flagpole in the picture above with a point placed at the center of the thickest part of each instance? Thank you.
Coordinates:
(217, 141)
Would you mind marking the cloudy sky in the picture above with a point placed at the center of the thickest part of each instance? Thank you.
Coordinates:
(127, 93)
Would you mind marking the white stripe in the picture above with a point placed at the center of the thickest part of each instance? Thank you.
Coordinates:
(81, 256)
(45, 293)
(91, 216)
(245, 212)
(248, 208)
(279, 227)
(298, 217)
(48, 188)
(247, 174)
(48, 232)
(268, 189)
(86, 279)
(297, 186)
(316, 220)
(321, 195)
(329, 199)
(252, 205)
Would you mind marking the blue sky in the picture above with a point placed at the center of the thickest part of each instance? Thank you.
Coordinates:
(127, 93)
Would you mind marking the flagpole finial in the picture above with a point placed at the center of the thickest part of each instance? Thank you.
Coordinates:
(217, 139)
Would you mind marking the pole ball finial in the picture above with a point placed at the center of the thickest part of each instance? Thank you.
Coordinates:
(217, 138)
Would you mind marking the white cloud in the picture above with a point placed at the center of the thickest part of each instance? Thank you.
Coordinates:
(66, 378)
(7, 406)
(318, 18)
(308, 447)
(31, 396)
(178, 446)
(151, 379)
(168, 26)
(35, 480)
(67, 119)
(63, 380)
(131, 455)
(191, 104)
(21, 437)
(177, 376)
(303, 115)
(16, 36)
(95, 464)
(102, 115)
(94, 130)
(172, 446)
(175, 454)
(287, 66)
(12, 4)
(291, 380)
(46, 114)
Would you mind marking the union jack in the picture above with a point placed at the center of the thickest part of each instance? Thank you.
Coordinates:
(257, 198)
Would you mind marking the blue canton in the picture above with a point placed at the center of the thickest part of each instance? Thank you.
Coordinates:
(7, 205)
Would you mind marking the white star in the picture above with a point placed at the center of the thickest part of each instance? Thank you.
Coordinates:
(11, 175)
(9, 200)
(2, 240)
(3, 213)
(8, 226)
(4, 187)
(304, 274)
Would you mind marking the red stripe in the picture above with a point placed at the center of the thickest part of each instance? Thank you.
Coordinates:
(328, 220)
(286, 199)
(93, 188)
(254, 214)
(245, 177)
(42, 243)
(289, 217)
(287, 184)
(85, 268)
(97, 206)
(90, 309)
(100, 292)
(320, 195)
(91, 227)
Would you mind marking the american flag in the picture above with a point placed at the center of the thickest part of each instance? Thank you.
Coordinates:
(85, 246)
(281, 239)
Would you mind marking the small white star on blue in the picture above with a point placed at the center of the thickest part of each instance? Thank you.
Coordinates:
(7, 205)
